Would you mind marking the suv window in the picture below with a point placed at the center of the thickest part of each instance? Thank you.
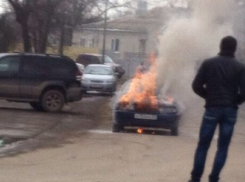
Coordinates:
(35, 66)
(44, 66)
(9, 66)
(62, 67)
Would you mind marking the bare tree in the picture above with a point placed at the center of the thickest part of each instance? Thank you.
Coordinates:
(41, 21)
(38, 17)
(22, 10)
(8, 34)
(71, 14)
(105, 6)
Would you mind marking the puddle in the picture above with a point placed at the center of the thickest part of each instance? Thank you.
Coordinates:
(100, 131)
(6, 140)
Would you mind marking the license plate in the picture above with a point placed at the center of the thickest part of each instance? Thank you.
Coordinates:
(145, 116)
(96, 86)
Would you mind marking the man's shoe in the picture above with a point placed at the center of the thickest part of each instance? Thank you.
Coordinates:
(192, 181)
(213, 179)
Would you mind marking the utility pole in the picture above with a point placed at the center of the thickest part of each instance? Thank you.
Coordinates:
(63, 33)
(104, 32)
(62, 37)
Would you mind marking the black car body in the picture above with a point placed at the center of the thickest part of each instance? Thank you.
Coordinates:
(167, 116)
(86, 59)
(47, 82)
(165, 120)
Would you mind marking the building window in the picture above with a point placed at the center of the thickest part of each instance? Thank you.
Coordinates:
(115, 45)
(83, 42)
(91, 42)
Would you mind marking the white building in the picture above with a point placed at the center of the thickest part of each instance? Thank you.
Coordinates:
(127, 38)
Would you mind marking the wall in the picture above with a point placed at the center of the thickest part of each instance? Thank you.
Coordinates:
(129, 41)
(72, 52)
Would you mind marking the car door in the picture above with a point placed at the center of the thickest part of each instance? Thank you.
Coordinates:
(9, 76)
(34, 73)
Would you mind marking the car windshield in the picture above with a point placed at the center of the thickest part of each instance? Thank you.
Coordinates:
(107, 59)
(98, 70)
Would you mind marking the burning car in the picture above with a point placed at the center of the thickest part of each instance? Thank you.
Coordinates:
(138, 105)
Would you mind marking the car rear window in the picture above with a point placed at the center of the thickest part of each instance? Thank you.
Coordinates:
(47, 66)
(88, 59)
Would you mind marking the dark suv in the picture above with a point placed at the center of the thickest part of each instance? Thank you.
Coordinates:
(86, 59)
(47, 82)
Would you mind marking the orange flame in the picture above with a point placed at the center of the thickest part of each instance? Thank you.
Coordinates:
(142, 89)
(140, 130)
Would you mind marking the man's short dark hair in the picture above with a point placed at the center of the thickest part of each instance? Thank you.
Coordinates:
(228, 44)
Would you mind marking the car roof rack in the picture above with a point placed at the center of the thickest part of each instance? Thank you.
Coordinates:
(41, 54)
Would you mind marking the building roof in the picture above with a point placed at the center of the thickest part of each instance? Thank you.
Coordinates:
(113, 30)
(148, 21)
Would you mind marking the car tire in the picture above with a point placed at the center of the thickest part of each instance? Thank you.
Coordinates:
(53, 101)
(37, 106)
(113, 90)
(112, 94)
(119, 76)
(174, 131)
(116, 128)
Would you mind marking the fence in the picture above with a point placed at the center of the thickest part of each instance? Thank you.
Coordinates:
(129, 62)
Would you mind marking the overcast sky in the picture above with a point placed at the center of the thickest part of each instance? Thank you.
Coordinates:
(1, 5)
(151, 3)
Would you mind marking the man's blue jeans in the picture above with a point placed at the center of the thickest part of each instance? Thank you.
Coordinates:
(225, 118)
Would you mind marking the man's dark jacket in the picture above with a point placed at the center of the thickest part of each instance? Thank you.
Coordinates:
(221, 82)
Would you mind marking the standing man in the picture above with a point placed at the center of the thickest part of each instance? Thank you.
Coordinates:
(142, 68)
(221, 82)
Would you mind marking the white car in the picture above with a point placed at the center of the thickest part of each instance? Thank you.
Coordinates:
(98, 77)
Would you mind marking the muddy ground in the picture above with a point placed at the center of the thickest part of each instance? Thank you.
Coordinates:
(79, 146)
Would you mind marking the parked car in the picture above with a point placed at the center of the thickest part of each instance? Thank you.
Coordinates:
(86, 59)
(98, 77)
(80, 67)
(47, 82)
(166, 116)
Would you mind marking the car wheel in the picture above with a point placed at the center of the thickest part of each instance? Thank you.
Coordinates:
(119, 76)
(53, 100)
(174, 131)
(112, 94)
(37, 106)
(116, 128)
(113, 90)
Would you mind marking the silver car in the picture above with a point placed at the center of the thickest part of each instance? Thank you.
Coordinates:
(98, 77)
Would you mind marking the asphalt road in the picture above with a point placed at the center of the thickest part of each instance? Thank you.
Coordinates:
(78, 145)
(23, 129)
